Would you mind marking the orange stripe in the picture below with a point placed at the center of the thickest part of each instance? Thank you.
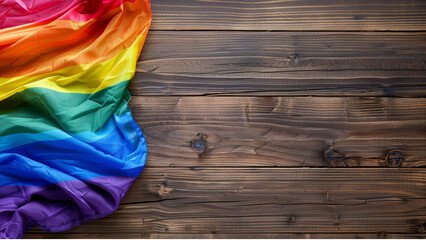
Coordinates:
(89, 78)
(40, 49)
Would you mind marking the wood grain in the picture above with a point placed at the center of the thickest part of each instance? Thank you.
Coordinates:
(290, 79)
(281, 131)
(300, 15)
(269, 201)
(282, 64)
(229, 235)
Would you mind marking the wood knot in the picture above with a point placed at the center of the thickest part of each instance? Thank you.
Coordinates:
(199, 144)
(291, 219)
(163, 190)
(293, 59)
(394, 158)
(188, 228)
(382, 235)
(335, 159)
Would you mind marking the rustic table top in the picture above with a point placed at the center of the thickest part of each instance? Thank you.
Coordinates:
(278, 119)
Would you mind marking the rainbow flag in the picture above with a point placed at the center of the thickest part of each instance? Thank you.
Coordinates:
(69, 147)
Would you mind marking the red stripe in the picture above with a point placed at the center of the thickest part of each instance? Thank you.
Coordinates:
(18, 12)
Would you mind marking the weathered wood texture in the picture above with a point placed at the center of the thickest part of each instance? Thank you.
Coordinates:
(282, 64)
(281, 131)
(299, 15)
(230, 235)
(304, 76)
(253, 200)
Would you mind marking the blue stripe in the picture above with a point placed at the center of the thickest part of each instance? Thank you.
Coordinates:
(118, 149)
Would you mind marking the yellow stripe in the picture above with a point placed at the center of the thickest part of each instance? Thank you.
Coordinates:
(84, 78)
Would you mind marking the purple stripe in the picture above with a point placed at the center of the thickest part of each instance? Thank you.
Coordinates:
(60, 206)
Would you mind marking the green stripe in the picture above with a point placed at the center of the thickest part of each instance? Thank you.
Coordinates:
(39, 109)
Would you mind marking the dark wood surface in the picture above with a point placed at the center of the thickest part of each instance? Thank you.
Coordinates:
(379, 235)
(281, 131)
(298, 15)
(268, 87)
(282, 64)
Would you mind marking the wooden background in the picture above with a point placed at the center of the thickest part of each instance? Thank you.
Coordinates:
(271, 85)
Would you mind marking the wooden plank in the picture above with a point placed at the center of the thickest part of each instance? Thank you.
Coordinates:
(282, 64)
(300, 15)
(281, 131)
(269, 201)
(222, 236)
(66, 235)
